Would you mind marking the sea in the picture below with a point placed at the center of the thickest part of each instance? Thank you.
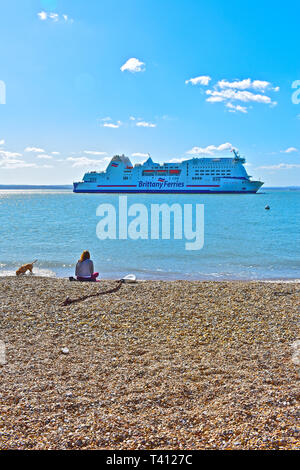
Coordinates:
(242, 239)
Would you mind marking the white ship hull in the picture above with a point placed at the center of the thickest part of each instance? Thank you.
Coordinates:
(198, 175)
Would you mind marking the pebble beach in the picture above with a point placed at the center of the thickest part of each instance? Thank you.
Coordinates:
(156, 365)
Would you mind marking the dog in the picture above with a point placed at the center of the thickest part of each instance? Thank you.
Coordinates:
(26, 267)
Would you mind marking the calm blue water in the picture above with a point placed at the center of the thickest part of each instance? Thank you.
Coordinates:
(242, 239)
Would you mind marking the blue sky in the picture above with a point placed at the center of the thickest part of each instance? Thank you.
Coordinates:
(86, 79)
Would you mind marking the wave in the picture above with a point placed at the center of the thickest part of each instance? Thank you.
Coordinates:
(37, 272)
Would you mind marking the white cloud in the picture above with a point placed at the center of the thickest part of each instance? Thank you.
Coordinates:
(215, 99)
(237, 85)
(34, 149)
(132, 121)
(280, 166)
(106, 119)
(2, 142)
(260, 84)
(133, 65)
(84, 161)
(133, 118)
(42, 15)
(234, 95)
(233, 108)
(202, 80)
(92, 152)
(111, 125)
(289, 150)
(44, 157)
(245, 84)
(210, 149)
(141, 155)
(55, 153)
(15, 164)
(55, 17)
(145, 124)
(107, 122)
(177, 160)
(10, 161)
(6, 154)
(246, 91)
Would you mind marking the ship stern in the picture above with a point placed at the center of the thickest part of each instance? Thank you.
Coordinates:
(75, 186)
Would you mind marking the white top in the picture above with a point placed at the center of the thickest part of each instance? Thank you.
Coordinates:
(84, 268)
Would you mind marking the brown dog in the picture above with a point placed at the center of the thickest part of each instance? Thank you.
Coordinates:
(26, 267)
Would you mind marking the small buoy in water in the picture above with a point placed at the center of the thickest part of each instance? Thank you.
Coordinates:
(267, 208)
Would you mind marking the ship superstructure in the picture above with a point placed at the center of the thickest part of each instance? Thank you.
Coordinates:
(197, 175)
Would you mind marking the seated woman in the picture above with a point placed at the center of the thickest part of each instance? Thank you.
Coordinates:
(85, 268)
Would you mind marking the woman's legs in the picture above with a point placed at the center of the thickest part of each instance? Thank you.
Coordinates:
(93, 278)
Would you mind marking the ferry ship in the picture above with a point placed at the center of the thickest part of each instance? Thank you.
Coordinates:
(197, 175)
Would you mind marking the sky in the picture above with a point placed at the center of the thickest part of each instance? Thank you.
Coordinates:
(83, 80)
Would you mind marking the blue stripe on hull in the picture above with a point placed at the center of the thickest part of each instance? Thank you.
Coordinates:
(184, 191)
